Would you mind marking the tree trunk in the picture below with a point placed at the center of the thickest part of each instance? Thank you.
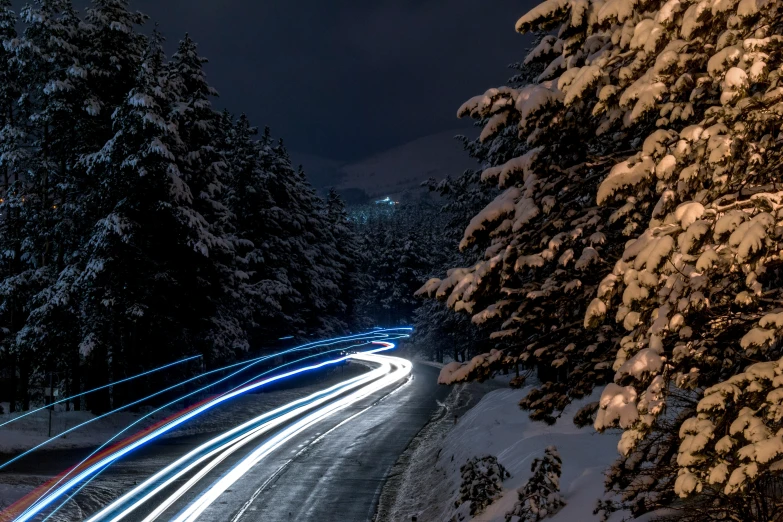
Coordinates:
(13, 385)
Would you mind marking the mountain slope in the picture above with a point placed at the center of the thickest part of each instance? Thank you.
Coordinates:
(403, 169)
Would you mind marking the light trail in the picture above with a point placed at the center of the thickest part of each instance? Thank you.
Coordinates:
(134, 403)
(241, 437)
(247, 364)
(115, 455)
(196, 508)
(109, 385)
(97, 464)
(385, 346)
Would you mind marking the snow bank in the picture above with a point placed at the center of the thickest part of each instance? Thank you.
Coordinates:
(34, 429)
(496, 426)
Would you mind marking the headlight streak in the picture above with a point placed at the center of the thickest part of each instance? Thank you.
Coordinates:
(50, 496)
(109, 385)
(230, 448)
(197, 450)
(393, 333)
(239, 514)
(212, 446)
(253, 362)
(44, 502)
(114, 437)
(196, 508)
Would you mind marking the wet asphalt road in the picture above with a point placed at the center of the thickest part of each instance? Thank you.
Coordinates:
(333, 471)
(339, 477)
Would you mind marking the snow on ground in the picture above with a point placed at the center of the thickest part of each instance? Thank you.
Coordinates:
(33, 429)
(429, 485)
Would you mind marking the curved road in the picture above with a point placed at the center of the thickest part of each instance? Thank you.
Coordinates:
(337, 476)
(332, 471)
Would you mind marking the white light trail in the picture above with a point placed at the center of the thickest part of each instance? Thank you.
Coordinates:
(222, 447)
(196, 508)
(258, 425)
(64, 487)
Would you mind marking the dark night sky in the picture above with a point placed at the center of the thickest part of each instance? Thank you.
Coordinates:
(345, 79)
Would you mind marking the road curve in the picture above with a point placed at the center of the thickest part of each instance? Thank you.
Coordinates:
(336, 475)
(32, 504)
(329, 470)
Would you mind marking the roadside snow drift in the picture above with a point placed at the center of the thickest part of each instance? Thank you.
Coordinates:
(496, 426)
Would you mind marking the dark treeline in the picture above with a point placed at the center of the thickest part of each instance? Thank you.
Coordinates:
(137, 223)
(407, 243)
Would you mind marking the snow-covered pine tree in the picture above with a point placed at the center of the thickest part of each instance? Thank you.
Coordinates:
(114, 53)
(666, 116)
(48, 58)
(138, 291)
(10, 91)
(482, 482)
(315, 247)
(247, 197)
(439, 330)
(352, 282)
(12, 155)
(116, 235)
(712, 245)
(300, 246)
(204, 169)
(284, 238)
(405, 244)
(540, 497)
(542, 244)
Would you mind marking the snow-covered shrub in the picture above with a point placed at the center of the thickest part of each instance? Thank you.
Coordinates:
(540, 496)
(482, 482)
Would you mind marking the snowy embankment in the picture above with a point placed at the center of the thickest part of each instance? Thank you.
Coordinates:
(429, 486)
(33, 429)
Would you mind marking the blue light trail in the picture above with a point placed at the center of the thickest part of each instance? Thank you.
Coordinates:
(248, 364)
(368, 338)
(62, 490)
(109, 385)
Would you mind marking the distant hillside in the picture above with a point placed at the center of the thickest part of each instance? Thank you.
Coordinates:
(402, 169)
(397, 172)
